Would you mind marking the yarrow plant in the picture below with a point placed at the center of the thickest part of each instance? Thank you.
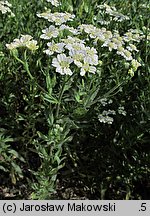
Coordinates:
(76, 55)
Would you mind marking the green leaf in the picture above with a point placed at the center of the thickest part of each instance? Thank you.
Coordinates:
(91, 98)
(17, 169)
(5, 140)
(56, 158)
(50, 98)
(13, 152)
(42, 136)
(3, 169)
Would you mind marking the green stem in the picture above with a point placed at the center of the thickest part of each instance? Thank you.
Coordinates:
(60, 98)
(146, 45)
(27, 66)
(61, 94)
(19, 60)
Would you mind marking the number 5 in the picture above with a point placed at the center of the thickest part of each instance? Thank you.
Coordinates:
(143, 207)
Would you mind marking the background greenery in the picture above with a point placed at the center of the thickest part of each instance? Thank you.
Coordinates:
(101, 161)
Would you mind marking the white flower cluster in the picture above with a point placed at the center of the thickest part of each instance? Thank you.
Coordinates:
(70, 29)
(53, 32)
(95, 33)
(105, 118)
(134, 66)
(113, 41)
(106, 115)
(112, 11)
(57, 18)
(71, 40)
(5, 7)
(24, 41)
(55, 3)
(122, 111)
(72, 50)
(105, 101)
(144, 6)
(84, 57)
(133, 35)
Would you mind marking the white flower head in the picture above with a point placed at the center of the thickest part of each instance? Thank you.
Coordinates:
(118, 41)
(87, 28)
(57, 18)
(135, 64)
(122, 111)
(19, 42)
(11, 46)
(70, 29)
(32, 45)
(75, 46)
(133, 35)
(78, 57)
(54, 47)
(72, 40)
(25, 38)
(91, 56)
(132, 47)
(45, 14)
(5, 7)
(24, 41)
(62, 63)
(60, 18)
(91, 30)
(87, 68)
(107, 34)
(6, 3)
(55, 3)
(111, 45)
(128, 36)
(125, 53)
(105, 119)
(50, 33)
